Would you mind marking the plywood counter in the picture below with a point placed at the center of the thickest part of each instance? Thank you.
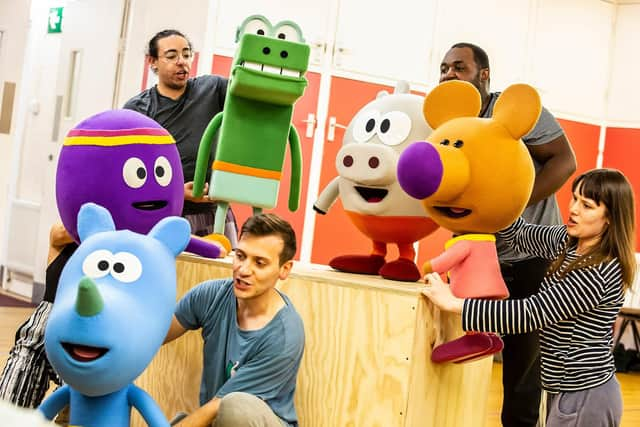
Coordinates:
(366, 360)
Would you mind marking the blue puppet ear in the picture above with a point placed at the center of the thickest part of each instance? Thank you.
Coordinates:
(174, 232)
(93, 219)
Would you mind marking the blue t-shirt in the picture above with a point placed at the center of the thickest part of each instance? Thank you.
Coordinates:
(263, 362)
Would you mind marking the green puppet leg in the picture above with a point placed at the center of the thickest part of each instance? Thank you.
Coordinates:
(221, 217)
(219, 224)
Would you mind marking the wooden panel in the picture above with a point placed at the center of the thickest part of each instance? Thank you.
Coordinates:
(6, 106)
(366, 359)
(173, 377)
(452, 395)
(622, 151)
(305, 105)
(353, 357)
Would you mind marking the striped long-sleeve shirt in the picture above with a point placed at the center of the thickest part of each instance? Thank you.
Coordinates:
(575, 314)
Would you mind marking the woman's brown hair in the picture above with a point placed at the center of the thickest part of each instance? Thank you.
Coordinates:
(611, 188)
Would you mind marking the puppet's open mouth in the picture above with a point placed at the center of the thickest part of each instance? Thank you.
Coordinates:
(150, 205)
(372, 195)
(453, 212)
(84, 353)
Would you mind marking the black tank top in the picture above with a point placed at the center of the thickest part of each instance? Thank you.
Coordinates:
(54, 270)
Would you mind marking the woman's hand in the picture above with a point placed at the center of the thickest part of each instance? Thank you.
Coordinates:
(440, 294)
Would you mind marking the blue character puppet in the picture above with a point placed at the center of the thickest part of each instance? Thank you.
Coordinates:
(114, 305)
(267, 78)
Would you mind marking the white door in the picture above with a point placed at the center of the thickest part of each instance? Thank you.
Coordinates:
(71, 75)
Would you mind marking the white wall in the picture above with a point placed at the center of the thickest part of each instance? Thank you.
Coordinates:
(14, 22)
(624, 91)
(147, 17)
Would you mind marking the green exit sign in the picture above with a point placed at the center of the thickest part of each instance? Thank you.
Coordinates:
(55, 20)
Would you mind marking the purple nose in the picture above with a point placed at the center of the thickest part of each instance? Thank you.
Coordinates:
(420, 170)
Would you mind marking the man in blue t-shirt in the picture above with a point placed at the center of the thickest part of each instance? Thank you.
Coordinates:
(253, 336)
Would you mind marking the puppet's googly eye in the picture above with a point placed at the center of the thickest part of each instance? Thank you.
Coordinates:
(394, 127)
(257, 26)
(134, 172)
(288, 32)
(162, 171)
(365, 125)
(126, 267)
(97, 264)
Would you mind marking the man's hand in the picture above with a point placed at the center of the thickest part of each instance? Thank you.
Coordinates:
(188, 193)
(440, 294)
(203, 416)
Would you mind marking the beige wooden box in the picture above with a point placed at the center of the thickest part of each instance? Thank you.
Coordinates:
(366, 360)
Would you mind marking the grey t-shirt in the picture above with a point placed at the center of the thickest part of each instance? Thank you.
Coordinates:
(264, 362)
(546, 211)
(186, 119)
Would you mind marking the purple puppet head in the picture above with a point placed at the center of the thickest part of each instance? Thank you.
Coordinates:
(124, 161)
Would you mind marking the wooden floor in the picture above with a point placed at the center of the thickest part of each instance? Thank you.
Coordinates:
(12, 317)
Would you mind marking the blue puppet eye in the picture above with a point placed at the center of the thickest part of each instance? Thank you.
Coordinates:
(126, 267)
(97, 264)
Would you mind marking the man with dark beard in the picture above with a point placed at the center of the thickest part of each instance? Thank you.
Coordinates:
(184, 106)
(554, 162)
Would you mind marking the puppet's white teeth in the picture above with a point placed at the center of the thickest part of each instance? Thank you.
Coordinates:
(253, 65)
(271, 69)
(290, 73)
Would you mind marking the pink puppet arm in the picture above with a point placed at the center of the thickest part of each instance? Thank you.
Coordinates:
(448, 259)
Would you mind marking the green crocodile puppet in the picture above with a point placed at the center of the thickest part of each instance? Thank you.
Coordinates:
(267, 78)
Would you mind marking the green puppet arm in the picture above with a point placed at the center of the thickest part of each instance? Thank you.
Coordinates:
(202, 162)
(296, 169)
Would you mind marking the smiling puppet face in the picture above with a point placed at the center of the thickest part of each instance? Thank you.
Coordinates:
(372, 143)
(114, 302)
(474, 175)
(124, 161)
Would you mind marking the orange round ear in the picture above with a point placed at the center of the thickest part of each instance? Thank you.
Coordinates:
(450, 100)
(518, 109)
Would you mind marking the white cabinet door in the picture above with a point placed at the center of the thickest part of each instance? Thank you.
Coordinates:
(500, 27)
(391, 40)
(313, 17)
(146, 18)
(624, 92)
(571, 55)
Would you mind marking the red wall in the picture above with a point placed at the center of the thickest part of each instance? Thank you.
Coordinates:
(334, 232)
(584, 140)
(622, 151)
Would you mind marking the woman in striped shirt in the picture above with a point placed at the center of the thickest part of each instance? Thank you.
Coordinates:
(593, 265)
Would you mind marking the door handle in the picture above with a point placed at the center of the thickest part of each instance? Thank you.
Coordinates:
(333, 124)
(311, 125)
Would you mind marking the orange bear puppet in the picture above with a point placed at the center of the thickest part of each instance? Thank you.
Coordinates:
(474, 178)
